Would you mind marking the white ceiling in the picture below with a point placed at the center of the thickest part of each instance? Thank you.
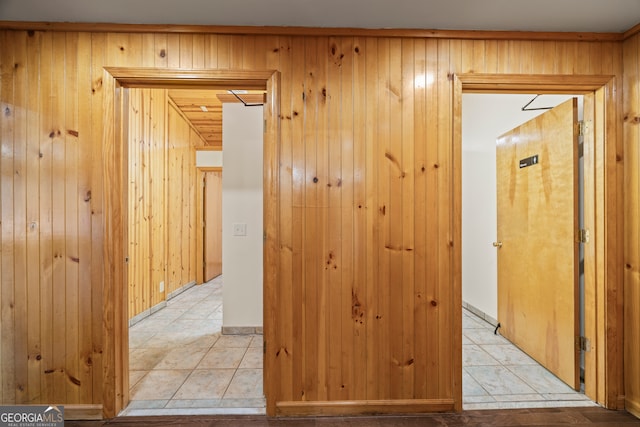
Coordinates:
(522, 15)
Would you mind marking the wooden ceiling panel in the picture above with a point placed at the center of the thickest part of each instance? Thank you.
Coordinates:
(209, 123)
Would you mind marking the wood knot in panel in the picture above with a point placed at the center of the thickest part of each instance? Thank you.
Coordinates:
(282, 350)
(357, 313)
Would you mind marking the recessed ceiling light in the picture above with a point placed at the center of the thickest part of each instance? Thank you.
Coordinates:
(204, 108)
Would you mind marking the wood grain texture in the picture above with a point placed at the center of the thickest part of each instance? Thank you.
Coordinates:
(360, 229)
(537, 222)
(632, 223)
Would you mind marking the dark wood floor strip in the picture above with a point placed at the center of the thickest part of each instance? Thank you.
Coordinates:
(588, 417)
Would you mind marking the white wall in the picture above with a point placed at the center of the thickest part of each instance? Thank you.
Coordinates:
(208, 158)
(484, 118)
(242, 204)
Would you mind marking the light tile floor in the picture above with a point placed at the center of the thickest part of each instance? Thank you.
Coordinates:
(498, 375)
(181, 364)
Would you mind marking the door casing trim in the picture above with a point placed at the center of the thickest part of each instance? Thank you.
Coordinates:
(116, 82)
(603, 186)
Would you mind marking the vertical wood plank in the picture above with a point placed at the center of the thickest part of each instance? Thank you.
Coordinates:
(72, 195)
(86, 346)
(47, 135)
(424, 79)
(284, 347)
(298, 146)
(443, 299)
(395, 225)
(158, 192)
(20, 196)
(432, 169)
(334, 230)
(312, 318)
(98, 58)
(408, 144)
(160, 46)
(198, 48)
(373, 206)
(185, 43)
(348, 358)
(32, 215)
(322, 124)
(383, 316)
(632, 224)
(173, 51)
(7, 126)
(211, 51)
(361, 235)
(224, 52)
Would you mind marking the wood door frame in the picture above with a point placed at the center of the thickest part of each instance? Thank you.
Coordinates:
(200, 171)
(116, 82)
(603, 214)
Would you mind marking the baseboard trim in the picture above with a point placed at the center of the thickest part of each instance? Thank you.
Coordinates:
(242, 330)
(83, 412)
(481, 314)
(162, 304)
(364, 407)
(632, 407)
(181, 290)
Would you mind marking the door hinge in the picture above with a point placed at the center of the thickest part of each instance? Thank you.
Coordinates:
(583, 127)
(583, 235)
(583, 343)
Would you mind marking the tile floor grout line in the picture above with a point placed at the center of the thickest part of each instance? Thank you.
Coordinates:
(183, 308)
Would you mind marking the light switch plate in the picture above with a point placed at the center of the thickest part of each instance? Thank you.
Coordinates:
(240, 229)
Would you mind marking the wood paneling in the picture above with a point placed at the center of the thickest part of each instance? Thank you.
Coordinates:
(365, 282)
(632, 223)
(180, 202)
(161, 203)
(147, 198)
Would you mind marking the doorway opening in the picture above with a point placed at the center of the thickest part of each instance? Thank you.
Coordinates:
(118, 81)
(600, 163)
(198, 350)
(496, 373)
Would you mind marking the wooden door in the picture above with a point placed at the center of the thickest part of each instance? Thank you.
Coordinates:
(212, 224)
(537, 190)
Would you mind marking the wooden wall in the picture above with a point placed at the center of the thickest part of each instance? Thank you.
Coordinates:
(632, 222)
(147, 197)
(366, 302)
(181, 201)
(161, 199)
